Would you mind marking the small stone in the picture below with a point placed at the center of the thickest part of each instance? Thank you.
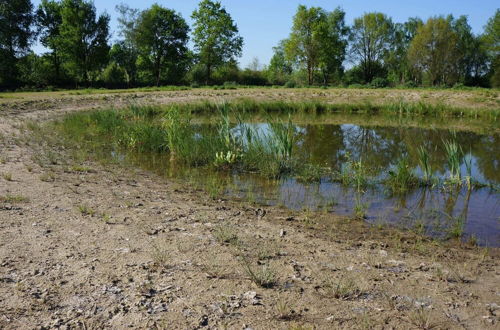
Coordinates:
(282, 233)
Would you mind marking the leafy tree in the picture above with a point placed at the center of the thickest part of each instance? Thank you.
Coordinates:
(396, 60)
(304, 44)
(491, 41)
(280, 68)
(161, 36)
(34, 71)
(125, 55)
(333, 45)
(371, 37)
(84, 38)
(16, 35)
(49, 20)
(433, 53)
(114, 76)
(317, 41)
(215, 36)
(471, 65)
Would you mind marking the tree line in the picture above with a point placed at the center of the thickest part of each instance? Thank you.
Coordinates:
(152, 49)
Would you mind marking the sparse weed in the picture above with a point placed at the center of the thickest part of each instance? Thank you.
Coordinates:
(225, 234)
(13, 199)
(284, 310)
(86, 210)
(263, 276)
(48, 177)
(344, 287)
(422, 318)
(7, 176)
(160, 255)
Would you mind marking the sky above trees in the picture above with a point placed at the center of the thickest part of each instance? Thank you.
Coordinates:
(263, 23)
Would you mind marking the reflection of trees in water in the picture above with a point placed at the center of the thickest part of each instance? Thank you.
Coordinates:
(487, 153)
(322, 144)
(379, 147)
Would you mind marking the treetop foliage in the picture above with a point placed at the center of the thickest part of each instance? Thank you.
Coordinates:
(321, 49)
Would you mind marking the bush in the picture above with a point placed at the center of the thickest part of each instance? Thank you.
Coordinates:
(379, 83)
(114, 76)
(356, 86)
(290, 84)
(230, 85)
(410, 84)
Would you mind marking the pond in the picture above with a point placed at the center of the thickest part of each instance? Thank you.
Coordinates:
(441, 209)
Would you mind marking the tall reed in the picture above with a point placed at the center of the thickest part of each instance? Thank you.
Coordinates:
(425, 166)
(401, 179)
(453, 155)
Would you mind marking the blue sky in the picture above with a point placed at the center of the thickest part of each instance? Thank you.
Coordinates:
(262, 23)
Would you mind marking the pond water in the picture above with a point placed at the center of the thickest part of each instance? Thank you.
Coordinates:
(436, 211)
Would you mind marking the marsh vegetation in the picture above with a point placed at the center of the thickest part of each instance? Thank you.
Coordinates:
(435, 180)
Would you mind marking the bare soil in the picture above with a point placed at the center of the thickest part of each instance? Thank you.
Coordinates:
(88, 245)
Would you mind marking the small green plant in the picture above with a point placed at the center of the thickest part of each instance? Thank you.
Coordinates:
(225, 160)
(86, 210)
(453, 155)
(284, 310)
(310, 173)
(7, 176)
(422, 318)
(401, 178)
(13, 199)
(354, 173)
(160, 255)
(263, 276)
(48, 177)
(425, 166)
(360, 207)
(457, 228)
(225, 234)
(342, 288)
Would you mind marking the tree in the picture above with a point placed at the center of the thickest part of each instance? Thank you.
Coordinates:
(114, 76)
(280, 68)
(333, 44)
(434, 54)
(303, 45)
(84, 38)
(125, 55)
(491, 41)
(396, 59)
(16, 35)
(471, 65)
(161, 36)
(49, 21)
(371, 37)
(215, 36)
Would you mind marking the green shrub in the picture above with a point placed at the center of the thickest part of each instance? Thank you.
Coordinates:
(114, 76)
(379, 83)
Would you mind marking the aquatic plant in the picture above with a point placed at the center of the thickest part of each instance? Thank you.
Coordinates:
(177, 128)
(401, 178)
(453, 155)
(425, 166)
(353, 173)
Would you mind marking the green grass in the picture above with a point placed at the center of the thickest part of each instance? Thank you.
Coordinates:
(13, 199)
(401, 178)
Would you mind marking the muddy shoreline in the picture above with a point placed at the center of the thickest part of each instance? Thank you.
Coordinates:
(88, 245)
